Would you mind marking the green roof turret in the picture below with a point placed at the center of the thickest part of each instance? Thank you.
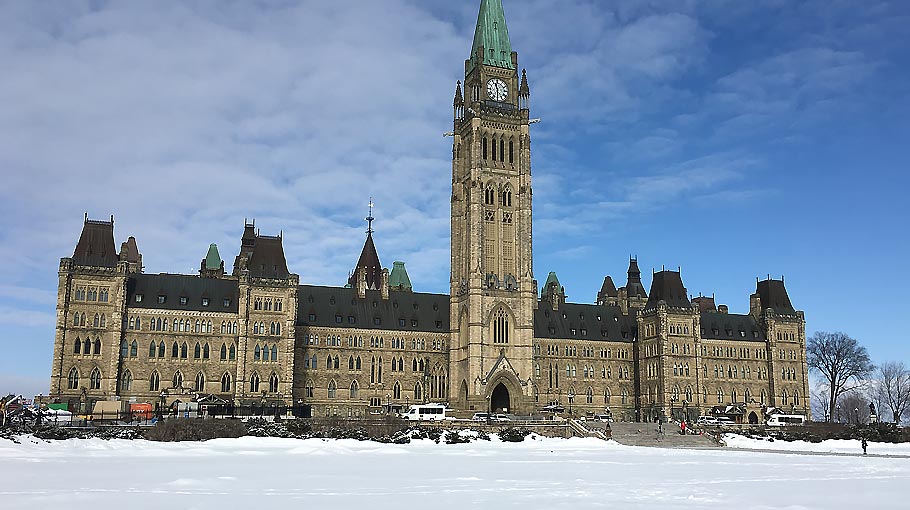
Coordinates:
(491, 36)
(398, 278)
(212, 258)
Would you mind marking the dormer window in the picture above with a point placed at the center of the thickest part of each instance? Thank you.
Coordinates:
(183, 300)
(311, 317)
(226, 302)
(161, 299)
(138, 298)
(205, 301)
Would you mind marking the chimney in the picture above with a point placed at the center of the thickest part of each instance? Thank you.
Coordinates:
(722, 309)
(384, 285)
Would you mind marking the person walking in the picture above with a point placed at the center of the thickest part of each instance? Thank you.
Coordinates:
(865, 444)
(682, 427)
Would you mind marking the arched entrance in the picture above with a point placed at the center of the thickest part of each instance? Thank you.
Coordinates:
(499, 399)
(753, 418)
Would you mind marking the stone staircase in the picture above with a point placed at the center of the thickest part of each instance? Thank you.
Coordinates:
(646, 434)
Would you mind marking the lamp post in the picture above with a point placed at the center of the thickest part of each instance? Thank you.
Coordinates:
(856, 412)
(388, 406)
(837, 415)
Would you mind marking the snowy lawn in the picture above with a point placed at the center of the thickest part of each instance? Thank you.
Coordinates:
(853, 446)
(264, 473)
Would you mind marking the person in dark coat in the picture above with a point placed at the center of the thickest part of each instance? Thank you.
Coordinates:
(865, 444)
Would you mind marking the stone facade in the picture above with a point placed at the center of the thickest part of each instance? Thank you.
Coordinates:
(258, 336)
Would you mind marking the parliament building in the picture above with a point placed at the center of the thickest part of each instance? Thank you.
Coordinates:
(497, 341)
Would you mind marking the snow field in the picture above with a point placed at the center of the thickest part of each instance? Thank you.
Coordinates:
(347, 474)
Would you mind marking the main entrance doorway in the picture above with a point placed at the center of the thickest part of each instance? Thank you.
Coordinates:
(499, 399)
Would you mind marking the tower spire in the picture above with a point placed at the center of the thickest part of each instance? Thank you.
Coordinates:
(370, 218)
(491, 37)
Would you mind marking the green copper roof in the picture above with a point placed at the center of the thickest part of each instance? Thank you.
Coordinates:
(493, 35)
(212, 258)
(551, 278)
(398, 278)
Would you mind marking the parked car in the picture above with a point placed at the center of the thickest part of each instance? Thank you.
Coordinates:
(480, 417)
(707, 420)
(501, 417)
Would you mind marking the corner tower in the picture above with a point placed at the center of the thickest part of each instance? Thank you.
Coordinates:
(493, 292)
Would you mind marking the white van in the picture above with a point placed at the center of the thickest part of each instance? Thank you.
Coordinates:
(786, 420)
(426, 412)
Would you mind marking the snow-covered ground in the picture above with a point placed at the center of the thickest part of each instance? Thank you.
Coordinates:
(264, 473)
(829, 446)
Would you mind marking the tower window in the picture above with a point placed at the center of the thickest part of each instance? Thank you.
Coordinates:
(511, 152)
(484, 147)
(502, 150)
(493, 148)
(500, 327)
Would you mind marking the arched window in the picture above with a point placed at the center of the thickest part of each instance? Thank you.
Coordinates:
(152, 349)
(200, 382)
(313, 362)
(493, 149)
(607, 396)
(97, 346)
(134, 349)
(351, 363)
(197, 351)
(484, 147)
(254, 383)
(396, 391)
(333, 388)
(511, 151)
(183, 350)
(275, 352)
(223, 354)
(175, 350)
(335, 360)
(257, 353)
(720, 396)
(232, 352)
(502, 149)
(733, 396)
(357, 363)
(355, 390)
(77, 346)
(589, 395)
(226, 383)
(328, 362)
(96, 322)
(154, 381)
(82, 319)
(688, 394)
(418, 392)
(177, 380)
(205, 351)
(161, 349)
(104, 321)
(75, 319)
(500, 326)
(489, 195)
(72, 380)
(124, 349)
(95, 379)
(273, 383)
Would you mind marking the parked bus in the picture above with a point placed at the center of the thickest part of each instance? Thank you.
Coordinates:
(426, 412)
(786, 420)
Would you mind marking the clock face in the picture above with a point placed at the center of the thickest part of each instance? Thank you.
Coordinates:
(497, 89)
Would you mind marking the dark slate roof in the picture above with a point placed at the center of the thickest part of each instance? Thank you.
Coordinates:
(728, 326)
(369, 262)
(599, 322)
(705, 304)
(267, 259)
(633, 283)
(175, 286)
(668, 286)
(608, 289)
(96, 245)
(129, 250)
(773, 295)
(325, 305)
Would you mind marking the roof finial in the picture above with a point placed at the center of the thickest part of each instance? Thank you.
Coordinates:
(370, 218)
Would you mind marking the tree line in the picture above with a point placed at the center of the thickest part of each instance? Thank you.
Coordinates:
(852, 388)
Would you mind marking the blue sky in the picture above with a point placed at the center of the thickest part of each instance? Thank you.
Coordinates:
(733, 139)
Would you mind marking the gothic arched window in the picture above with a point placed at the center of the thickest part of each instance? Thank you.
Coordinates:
(95, 379)
(72, 380)
(254, 383)
(226, 383)
(484, 147)
(154, 381)
(500, 326)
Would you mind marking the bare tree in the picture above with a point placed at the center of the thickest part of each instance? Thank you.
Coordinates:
(892, 389)
(820, 402)
(840, 360)
(855, 407)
